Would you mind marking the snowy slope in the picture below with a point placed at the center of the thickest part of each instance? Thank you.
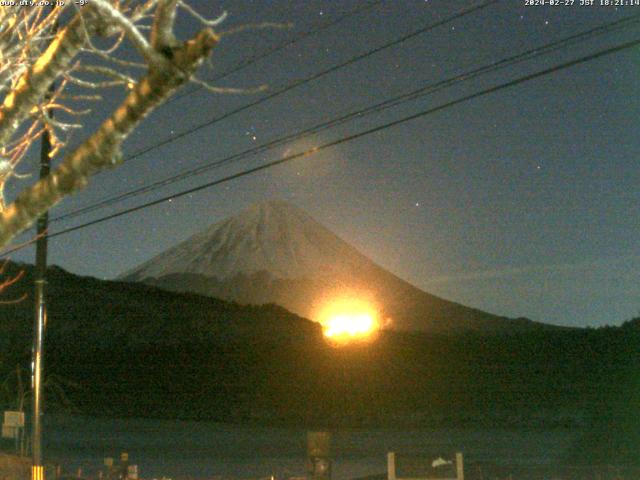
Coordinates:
(273, 237)
(275, 253)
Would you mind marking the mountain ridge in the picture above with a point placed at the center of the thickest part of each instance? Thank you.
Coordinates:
(274, 252)
(134, 350)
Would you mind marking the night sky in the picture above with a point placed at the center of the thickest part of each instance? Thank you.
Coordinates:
(523, 202)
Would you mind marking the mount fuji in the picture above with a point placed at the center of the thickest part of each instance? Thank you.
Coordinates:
(274, 252)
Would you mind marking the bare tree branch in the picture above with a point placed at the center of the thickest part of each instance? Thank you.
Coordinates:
(162, 37)
(102, 150)
(32, 86)
(114, 17)
(32, 58)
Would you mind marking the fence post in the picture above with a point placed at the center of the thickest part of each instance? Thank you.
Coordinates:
(391, 466)
(459, 466)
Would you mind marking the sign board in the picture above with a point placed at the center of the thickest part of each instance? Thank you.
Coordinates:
(318, 444)
(318, 453)
(13, 419)
(9, 432)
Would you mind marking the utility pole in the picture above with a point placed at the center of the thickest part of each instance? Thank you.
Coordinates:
(40, 322)
(37, 469)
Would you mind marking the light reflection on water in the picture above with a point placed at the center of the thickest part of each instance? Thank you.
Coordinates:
(204, 449)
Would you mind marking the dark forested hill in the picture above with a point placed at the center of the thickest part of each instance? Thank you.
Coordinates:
(128, 349)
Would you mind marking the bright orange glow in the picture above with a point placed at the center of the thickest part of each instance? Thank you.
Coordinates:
(347, 320)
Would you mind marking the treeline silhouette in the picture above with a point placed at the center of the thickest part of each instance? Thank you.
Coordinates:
(134, 350)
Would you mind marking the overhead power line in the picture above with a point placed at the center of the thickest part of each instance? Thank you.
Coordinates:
(313, 77)
(286, 44)
(358, 114)
(355, 136)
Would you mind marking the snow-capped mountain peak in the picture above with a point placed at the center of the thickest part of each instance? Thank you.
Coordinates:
(274, 252)
(274, 237)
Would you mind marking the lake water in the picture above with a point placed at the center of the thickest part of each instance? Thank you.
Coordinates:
(205, 449)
